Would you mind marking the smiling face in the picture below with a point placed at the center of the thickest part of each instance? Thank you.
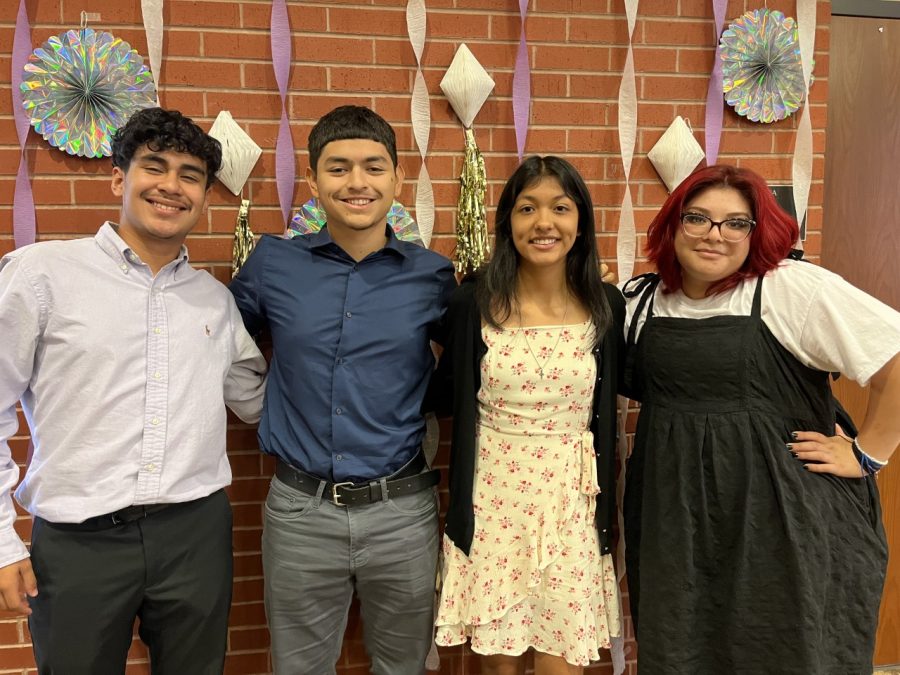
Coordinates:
(708, 259)
(356, 183)
(163, 196)
(544, 224)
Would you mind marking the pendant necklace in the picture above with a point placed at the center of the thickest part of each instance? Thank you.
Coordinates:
(524, 330)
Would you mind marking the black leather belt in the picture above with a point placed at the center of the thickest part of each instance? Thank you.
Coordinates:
(129, 514)
(406, 481)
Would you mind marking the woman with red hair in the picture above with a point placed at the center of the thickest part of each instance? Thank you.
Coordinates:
(753, 532)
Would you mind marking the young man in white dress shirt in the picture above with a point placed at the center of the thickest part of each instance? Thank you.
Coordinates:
(124, 358)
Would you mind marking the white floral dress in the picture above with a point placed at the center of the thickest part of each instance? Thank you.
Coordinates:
(535, 576)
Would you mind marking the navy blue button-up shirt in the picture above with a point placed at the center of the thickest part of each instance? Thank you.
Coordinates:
(351, 353)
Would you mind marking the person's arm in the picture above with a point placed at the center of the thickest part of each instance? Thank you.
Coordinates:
(878, 436)
(245, 383)
(446, 282)
(847, 330)
(245, 288)
(20, 321)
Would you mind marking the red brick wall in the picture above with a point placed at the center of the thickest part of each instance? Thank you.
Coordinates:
(217, 56)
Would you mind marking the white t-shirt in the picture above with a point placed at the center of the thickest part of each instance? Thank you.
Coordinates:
(822, 320)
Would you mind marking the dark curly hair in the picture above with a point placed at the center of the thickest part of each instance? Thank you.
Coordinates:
(350, 122)
(161, 130)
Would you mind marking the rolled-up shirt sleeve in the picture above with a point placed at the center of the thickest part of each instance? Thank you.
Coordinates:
(22, 313)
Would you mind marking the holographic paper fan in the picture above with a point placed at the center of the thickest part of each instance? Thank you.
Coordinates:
(311, 218)
(762, 74)
(80, 86)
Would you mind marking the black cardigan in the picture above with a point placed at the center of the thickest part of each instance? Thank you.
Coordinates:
(454, 389)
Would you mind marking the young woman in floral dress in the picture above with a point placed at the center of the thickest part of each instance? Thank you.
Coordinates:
(529, 371)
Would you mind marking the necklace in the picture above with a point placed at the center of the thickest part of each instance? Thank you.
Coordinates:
(524, 331)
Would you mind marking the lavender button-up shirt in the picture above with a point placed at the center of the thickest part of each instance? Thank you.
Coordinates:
(123, 377)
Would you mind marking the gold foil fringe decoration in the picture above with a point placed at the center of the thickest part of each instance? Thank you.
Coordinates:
(472, 244)
(243, 238)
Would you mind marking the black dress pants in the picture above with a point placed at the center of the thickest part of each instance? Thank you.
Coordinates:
(171, 569)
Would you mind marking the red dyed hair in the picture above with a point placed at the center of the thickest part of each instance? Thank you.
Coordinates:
(770, 241)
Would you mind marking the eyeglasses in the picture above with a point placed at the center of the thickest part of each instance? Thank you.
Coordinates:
(732, 230)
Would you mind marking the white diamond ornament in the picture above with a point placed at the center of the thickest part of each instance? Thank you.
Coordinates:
(239, 152)
(466, 85)
(676, 154)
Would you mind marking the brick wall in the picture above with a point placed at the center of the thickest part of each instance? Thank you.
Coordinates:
(217, 56)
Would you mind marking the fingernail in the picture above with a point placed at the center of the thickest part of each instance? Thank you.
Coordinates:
(789, 446)
(794, 435)
(795, 454)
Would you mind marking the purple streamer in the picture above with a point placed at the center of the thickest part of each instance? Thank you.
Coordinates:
(24, 223)
(715, 103)
(521, 90)
(284, 146)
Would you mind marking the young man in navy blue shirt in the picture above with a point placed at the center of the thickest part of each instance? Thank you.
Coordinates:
(351, 311)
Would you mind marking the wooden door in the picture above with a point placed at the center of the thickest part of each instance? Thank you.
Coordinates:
(861, 230)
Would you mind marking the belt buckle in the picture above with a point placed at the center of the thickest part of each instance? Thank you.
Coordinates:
(335, 497)
(118, 520)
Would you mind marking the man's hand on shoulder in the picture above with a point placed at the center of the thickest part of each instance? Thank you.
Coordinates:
(16, 582)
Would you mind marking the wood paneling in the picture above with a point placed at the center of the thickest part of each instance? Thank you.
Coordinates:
(861, 232)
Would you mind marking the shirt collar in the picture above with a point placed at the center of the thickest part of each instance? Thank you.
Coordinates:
(114, 246)
(323, 238)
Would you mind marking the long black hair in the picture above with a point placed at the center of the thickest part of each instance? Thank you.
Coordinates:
(496, 289)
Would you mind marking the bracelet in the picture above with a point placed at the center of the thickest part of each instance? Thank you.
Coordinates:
(867, 463)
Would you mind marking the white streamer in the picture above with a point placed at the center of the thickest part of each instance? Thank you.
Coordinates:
(626, 237)
(420, 112)
(153, 28)
(625, 254)
(801, 169)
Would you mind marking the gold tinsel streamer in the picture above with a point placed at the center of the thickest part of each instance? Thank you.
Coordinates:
(243, 238)
(472, 245)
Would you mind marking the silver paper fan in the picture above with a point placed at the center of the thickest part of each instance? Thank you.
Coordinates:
(762, 75)
(79, 87)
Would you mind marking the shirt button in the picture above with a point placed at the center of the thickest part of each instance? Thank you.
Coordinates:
(151, 467)
(340, 360)
(154, 421)
(157, 331)
(349, 314)
(339, 457)
(157, 375)
(339, 411)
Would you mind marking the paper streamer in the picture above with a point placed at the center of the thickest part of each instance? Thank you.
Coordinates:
(801, 169)
(284, 146)
(24, 224)
(152, 12)
(420, 112)
(715, 102)
(625, 250)
(625, 240)
(521, 88)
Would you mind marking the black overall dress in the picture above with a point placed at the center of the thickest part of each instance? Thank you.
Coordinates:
(739, 560)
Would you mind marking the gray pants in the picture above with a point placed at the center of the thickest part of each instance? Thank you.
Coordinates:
(315, 554)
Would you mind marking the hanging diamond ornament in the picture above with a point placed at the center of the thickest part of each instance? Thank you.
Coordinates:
(676, 154)
(467, 85)
(239, 152)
